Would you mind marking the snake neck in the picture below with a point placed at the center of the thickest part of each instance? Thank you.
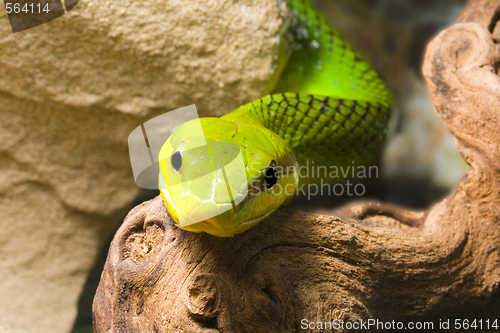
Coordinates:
(247, 115)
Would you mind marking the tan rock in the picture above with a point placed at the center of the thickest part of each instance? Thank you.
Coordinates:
(147, 55)
(71, 91)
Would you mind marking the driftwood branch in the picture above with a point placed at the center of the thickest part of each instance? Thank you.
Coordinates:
(374, 262)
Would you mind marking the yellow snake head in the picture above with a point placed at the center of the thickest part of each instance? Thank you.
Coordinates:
(223, 178)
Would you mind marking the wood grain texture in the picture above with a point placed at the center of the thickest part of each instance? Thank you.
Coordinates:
(374, 261)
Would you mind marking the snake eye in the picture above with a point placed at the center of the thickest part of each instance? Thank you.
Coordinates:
(270, 177)
(176, 160)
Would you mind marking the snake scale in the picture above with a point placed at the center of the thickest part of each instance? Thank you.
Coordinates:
(329, 107)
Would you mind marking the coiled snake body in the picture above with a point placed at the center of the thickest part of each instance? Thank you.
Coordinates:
(225, 175)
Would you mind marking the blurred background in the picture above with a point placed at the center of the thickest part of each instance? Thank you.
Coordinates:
(73, 89)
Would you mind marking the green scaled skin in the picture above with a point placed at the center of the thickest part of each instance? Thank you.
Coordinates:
(330, 108)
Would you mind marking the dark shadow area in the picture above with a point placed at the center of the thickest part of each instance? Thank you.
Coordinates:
(83, 322)
(409, 194)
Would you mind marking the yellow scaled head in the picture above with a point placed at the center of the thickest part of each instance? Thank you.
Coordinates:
(223, 178)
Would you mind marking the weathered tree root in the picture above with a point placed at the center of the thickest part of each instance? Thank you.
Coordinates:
(376, 263)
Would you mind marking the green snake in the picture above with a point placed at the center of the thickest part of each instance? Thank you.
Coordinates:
(329, 107)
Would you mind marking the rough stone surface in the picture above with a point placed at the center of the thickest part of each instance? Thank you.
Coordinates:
(374, 262)
(137, 57)
(71, 91)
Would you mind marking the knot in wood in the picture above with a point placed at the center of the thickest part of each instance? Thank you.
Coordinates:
(203, 296)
